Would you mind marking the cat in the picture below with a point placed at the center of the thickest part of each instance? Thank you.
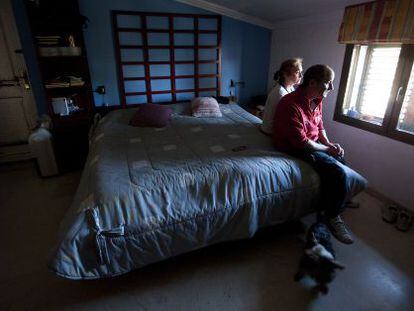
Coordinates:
(319, 259)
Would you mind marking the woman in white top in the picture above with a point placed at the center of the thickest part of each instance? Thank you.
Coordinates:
(289, 75)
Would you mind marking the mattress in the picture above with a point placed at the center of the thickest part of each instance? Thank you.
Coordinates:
(147, 194)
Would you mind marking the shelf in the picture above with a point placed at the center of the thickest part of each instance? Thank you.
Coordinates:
(78, 87)
(62, 19)
(62, 58)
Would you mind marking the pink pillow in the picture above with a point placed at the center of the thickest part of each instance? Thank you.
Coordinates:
(205, 107)
(152, 116)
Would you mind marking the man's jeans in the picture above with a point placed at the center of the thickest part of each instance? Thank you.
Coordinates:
(333, 190)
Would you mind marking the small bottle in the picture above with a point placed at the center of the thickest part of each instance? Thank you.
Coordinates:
(352, 112)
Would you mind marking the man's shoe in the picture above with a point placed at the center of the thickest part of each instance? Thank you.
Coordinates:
(390, 213)
(404, 220)
(338, 229)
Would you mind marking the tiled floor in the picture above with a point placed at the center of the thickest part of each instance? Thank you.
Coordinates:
(255, 274)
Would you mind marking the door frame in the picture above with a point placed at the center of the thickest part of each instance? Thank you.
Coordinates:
(19, 150)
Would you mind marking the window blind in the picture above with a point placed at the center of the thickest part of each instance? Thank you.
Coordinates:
(378, 21)
(377, 81)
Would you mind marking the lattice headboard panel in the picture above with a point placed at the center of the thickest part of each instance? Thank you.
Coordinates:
(166, 57)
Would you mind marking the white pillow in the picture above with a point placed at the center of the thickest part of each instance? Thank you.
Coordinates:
(205, 107)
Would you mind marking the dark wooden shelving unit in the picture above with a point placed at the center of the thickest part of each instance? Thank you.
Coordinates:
(62, 19)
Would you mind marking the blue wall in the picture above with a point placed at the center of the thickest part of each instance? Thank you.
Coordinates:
(245, 47)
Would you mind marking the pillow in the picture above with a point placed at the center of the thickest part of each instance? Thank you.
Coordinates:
(205, 107)
(152, 116)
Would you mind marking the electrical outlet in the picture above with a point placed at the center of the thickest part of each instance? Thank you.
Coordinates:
(241, 83)
(236, 83)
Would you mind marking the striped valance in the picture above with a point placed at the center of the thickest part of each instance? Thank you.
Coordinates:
(385, 21)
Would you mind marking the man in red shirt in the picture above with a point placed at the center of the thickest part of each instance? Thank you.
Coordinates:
(299, 131)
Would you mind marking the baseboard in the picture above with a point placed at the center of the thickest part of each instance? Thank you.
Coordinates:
(15, 153)
(386, 200)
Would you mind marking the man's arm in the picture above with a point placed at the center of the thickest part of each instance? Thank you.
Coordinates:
(315, 146)
(333, 149)
(323, 138)
(297, 136)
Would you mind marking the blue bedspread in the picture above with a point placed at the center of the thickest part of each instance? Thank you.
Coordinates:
(147, 194)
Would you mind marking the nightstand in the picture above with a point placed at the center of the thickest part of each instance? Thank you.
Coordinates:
(257, 111)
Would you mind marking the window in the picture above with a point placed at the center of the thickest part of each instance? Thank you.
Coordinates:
(376, 91)
(406, 117)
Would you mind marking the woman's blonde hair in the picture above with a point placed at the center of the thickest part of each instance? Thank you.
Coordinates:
(286, 68)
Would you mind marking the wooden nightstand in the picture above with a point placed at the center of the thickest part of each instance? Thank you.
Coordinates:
(257, 111)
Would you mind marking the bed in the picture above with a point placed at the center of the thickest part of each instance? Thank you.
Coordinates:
(147, 194)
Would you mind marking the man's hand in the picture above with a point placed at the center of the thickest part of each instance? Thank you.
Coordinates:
(336, 150)
(332, 149)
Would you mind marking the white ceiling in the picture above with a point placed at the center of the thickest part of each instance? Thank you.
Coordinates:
(271, 11)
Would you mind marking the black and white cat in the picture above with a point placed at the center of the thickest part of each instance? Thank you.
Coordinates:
(318, 260)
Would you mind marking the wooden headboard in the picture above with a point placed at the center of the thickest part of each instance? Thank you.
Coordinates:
(166, 57)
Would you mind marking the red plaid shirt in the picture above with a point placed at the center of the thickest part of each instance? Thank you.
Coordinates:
(295, 123)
